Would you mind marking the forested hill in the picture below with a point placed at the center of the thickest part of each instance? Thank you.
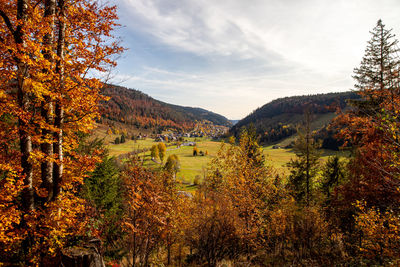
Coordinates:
(278, 119)
(133, 107)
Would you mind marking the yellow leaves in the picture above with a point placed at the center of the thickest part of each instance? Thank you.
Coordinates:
(30, 77)
(9, 213)
(3, 95)
(380, 231)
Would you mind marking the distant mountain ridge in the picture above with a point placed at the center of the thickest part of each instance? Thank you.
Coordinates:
(132, 107)
(279, 118)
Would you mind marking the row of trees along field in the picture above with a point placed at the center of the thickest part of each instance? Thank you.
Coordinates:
(59, 187)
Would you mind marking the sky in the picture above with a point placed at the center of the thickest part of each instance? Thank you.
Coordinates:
(232, 56)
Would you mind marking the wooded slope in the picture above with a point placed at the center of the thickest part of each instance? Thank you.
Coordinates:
(133, 107)
(279, 118)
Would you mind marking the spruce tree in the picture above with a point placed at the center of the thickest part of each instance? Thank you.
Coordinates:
(332, 175)
(378, 74)
(304, 167)
(103, 189)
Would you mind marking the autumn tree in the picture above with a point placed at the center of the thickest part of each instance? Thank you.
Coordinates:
(173, 164)
(372, 127)
(162, 149)
(148, 212)
(214, 233)
(47, 50)
(238, 173)
(380, 241)
(154, 152)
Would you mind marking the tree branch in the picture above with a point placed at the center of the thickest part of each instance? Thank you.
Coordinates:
(7, 22)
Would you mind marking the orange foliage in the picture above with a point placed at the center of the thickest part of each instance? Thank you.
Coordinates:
(149, 205)
(372, 126)
(46, 97)
(380, 238)
(370, 200)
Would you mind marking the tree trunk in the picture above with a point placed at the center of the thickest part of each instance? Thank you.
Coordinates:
(47, 149)
(26, 149)
(24, 103)
(59, 110)
(46, 108)
(58, 150)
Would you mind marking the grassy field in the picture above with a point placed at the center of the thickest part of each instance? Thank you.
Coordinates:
(279, 157)
(196, 166)
(317, 123)
(129, 146)
(190, 166)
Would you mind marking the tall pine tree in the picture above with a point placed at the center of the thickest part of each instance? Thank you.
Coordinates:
(304, 168)
(378, 74)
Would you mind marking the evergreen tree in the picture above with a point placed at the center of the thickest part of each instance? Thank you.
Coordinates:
(116, 141)
(304, 168)
(103, 189)
(378, 74)
(122, 139)
(332, 176)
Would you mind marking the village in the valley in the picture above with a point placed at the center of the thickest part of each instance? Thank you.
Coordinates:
(201, 129)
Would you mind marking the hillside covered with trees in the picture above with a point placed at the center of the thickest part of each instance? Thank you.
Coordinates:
(65, 202)
(280, 118)
(139, 110)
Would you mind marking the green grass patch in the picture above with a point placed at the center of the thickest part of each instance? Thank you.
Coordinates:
(192, 166)
(278, 158)
(129, 146)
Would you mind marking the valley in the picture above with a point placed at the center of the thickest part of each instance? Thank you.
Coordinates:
(97, 174)
(192, 166)
(281, 114)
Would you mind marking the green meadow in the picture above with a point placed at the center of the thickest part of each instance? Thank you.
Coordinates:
(192, 166)
(129, 146)
(278, 158)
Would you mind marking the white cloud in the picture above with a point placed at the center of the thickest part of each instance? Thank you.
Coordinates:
(310, 32)
(229, 93)
(278, 47)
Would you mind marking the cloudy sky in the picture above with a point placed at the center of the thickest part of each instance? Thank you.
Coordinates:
(232, 56)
